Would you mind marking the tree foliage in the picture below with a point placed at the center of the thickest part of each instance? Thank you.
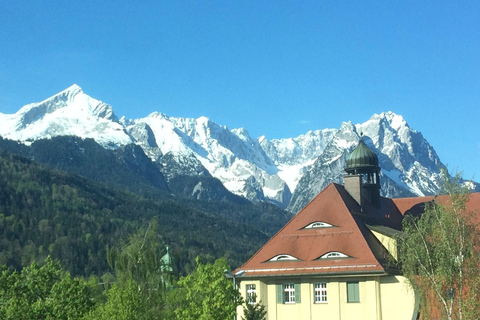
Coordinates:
(254, 311)
(80, 223)
(43, 292)
(48, 212)
(440, 250)
(124, 302)
(140, 261)
(205, 294)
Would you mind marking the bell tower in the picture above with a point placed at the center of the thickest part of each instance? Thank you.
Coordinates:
(362, 180)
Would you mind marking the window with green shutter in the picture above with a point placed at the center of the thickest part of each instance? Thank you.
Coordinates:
(353, 292)
(297, 292)
(288, 293)
(279, 293)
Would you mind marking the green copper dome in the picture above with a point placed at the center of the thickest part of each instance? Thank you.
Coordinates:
(361, 156)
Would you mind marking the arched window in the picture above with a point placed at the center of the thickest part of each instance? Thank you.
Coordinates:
(284, 257)
(334, 255)
(318, 224)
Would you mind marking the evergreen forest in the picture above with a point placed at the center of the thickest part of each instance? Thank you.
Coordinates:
(47, 212)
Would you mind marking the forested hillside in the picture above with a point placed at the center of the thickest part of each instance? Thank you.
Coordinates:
(51, 212)
(129, 169)
(126, 168)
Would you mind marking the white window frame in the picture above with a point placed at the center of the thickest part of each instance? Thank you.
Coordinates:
(318, 224)
(320, 292)
(289, 293)
(334, 255)
(284, 257)
(251, 296)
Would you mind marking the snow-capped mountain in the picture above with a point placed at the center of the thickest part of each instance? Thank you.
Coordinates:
(410, 166)
(232, 156)
(70, 112)
(257, 169)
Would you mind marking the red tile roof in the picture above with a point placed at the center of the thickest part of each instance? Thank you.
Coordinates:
(416, 205)
(412, 205)
(348, 235)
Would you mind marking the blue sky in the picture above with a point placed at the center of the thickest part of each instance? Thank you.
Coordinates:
(276, 68)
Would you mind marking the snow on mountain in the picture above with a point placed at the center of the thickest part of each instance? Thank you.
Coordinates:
(293, 155)
(285, 171)
(232, 156)
(70, 112)
(410, 166)
(404, 154)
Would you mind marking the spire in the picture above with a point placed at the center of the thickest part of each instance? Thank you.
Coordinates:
(167, 262)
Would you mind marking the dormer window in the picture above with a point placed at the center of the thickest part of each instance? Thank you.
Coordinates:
(318, 224)
(334, 255)
(283, 257)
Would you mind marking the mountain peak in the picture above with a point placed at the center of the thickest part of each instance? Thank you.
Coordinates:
(73, 88)
(66, 95)
(69, 112)
(394, 120)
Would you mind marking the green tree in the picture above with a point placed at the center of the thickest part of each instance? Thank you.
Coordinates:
(140, 261)
(70, 298)
(42, 292)
(125, 302)
(439, 250)
(205, 294)
(254, 311)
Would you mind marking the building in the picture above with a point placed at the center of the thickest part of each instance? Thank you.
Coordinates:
(336, 258)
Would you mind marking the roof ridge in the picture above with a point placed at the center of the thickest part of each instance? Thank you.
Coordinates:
(318, 195)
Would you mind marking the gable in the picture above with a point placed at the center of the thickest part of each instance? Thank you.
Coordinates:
(348, 235)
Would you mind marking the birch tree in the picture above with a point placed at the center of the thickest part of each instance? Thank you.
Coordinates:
(439, 253)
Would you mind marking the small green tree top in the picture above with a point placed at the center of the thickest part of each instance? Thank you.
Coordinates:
(125, 302)
(254, 311)
(205, 294)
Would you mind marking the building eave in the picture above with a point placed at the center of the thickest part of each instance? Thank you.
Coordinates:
(330, 274)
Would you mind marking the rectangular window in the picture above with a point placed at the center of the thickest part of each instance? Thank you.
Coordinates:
(320, 292)
(251, 294)
(289, 293)
(353, 292)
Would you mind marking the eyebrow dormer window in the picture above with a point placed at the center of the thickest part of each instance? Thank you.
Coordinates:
(284, 257)
(334, 255)
(318, 224)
